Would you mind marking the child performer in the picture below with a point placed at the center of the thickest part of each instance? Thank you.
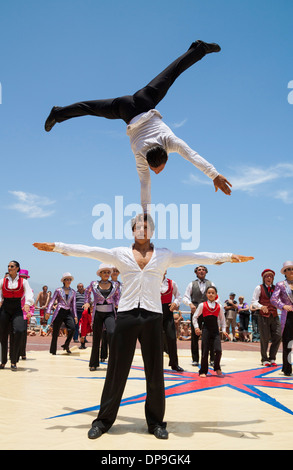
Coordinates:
(213, 316)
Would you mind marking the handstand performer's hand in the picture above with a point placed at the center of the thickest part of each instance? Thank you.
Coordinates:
(220, 182)
(44, 246)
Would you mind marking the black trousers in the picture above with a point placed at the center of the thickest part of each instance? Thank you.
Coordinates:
(170, 335)
(63, 316)
(107, 318)
(195, 339)
(270, 330)
(104, 346)
(133, 325)
(129, 106)
(11, 323)
(210, 340)
(287, 340)
(22, 351)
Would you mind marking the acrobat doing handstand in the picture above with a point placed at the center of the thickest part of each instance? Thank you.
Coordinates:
(151, 139)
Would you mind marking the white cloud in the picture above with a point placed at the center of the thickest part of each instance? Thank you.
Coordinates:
(252, 179)
(285, 196)
(249, 178)
(31, 205)
(176, 125)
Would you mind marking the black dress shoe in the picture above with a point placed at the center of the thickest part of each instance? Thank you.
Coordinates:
(51, 121)
(178, 369)
(13, 367)
(94, 432)
(209, 47)
(160, 433)
(66, 348)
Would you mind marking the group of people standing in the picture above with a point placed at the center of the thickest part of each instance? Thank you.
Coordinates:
(266, 300)
(142, 298)
(94, 310)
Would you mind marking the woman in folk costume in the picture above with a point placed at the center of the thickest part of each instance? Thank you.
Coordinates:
(12, 289)
(65, 312)
(23, 273)
(106, 295)
(282, 299)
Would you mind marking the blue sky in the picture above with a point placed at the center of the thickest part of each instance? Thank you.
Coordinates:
(232, 108)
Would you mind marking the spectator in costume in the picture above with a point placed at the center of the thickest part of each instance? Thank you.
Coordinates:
(268, 320)
(171, 298)
(282, 299)
(65, 312)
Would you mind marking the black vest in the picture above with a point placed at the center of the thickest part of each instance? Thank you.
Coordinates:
(196, 296)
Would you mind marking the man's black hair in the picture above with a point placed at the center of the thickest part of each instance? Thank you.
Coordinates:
(156, 156)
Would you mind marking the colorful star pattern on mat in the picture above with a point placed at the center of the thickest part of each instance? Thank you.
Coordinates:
(247, 381)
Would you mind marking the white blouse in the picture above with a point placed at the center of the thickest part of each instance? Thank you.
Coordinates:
(13, 283)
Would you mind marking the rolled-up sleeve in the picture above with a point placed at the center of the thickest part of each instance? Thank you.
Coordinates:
(181, 259)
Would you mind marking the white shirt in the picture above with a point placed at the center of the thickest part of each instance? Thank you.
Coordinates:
(187, 295)
(141, 287)
(13, 283)
(176, 294)
(148, 130)
(221, 317)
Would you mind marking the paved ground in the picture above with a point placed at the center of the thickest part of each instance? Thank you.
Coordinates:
(50, 402)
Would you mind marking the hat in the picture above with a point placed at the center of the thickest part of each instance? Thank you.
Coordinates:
(66, 276)
(267, 271)
(286, 265)
(23, 272)
(104, 266)
(232, 293)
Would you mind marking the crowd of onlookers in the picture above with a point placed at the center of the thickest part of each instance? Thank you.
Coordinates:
(240, 319)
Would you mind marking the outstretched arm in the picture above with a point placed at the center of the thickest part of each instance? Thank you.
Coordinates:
(83, 251)
(178, 145)
(184, 258)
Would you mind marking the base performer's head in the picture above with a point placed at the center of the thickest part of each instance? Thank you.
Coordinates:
(142, 227)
